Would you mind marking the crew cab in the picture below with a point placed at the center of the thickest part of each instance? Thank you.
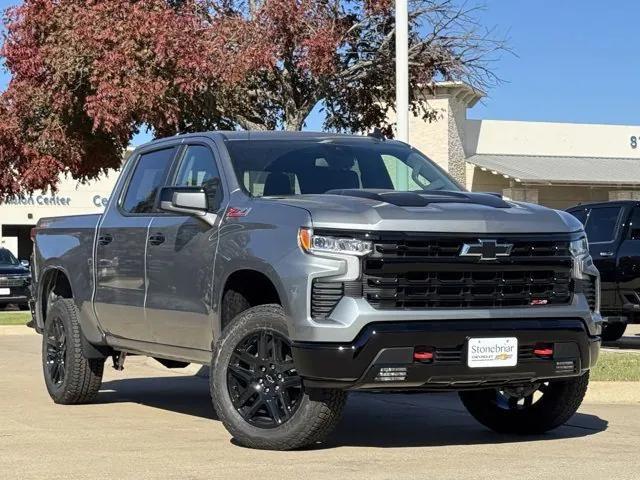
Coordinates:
(613, 231)
(302, 266)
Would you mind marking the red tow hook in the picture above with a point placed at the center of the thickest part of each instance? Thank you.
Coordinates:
(423, 354)
(543, 350)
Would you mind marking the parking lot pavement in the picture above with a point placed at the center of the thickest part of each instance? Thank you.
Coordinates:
(152, 423)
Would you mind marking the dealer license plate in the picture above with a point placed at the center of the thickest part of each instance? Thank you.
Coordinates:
(492, 352)
(5, 291)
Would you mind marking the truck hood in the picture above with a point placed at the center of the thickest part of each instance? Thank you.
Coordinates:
(13, 270)
(462, 212)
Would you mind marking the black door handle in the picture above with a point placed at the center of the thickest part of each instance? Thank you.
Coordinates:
(156, 239)
(105, 239)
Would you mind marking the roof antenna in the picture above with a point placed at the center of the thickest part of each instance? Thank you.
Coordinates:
(377, 133)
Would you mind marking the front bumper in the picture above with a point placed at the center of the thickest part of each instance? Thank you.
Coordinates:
(390, 345)
(15, 295)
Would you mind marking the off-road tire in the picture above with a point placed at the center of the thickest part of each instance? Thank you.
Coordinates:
(316, 415)
(558, 404)
(83, 376)
(613, 331)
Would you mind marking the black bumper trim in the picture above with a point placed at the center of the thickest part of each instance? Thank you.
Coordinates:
(356, 364)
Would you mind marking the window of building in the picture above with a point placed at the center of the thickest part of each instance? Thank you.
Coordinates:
(148, 177)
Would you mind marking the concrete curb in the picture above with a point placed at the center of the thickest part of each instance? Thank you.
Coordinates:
(16, 330)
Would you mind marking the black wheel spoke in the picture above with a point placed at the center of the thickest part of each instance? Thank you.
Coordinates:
(56, 347)
(291, 381)
(241, 373)
(274, 411)
(262, 381)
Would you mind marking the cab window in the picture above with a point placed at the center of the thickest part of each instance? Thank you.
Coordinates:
(601, 224)
(634, 225)
(148, 177)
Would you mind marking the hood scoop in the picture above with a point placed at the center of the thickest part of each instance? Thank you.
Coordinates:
(424, 198)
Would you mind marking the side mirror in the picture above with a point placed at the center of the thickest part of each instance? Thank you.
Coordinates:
(187, 200)
(24, 263)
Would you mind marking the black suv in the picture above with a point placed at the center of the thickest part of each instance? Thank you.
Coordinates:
(15, 280)
(613, 231)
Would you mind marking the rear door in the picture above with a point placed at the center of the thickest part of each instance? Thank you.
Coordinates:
(629, 260)
(180, 258)
(121, 247)
(603, 224)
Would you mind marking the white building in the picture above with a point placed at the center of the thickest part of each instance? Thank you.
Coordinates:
(554, 164)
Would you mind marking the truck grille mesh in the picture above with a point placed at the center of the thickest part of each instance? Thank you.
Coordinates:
(406, 271)
(13, 282)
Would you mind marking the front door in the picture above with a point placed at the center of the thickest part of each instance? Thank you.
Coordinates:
(180, 258)
(602, 226)
(121, 245)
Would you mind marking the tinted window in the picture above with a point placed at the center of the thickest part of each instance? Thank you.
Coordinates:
(148, 177)
(601, 224)
(634, 225)
(292, 167)
(197, 167)
(581, 215)
(7, 258)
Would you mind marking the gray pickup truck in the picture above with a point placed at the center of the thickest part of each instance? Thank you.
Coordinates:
(301, 266)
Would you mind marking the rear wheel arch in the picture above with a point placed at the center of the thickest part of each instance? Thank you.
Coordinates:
(53, 284)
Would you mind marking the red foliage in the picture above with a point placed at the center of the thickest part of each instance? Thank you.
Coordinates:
(87, 74)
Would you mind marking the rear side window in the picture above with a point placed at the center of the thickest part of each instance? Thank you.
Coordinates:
(149, 176)
(601, 224)
(634, 225)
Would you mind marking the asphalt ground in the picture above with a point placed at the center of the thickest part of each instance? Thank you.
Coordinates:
(152, 423)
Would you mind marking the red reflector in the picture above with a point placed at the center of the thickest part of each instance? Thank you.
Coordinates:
(543, 351)
(422, 355)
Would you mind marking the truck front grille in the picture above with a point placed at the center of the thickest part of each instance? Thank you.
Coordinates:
(13, 282)
(413, 271)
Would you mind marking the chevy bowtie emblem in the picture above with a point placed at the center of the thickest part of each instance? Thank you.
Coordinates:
(486, 249)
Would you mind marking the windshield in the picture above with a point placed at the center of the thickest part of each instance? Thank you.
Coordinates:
(295, 167)
(7, 258)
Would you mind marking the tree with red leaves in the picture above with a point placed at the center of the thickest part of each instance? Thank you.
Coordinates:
(88, 74)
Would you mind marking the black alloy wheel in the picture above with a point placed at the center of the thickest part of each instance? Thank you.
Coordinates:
(263, 384)
(56, 351)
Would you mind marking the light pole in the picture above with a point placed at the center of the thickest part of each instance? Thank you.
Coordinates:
(402, 70)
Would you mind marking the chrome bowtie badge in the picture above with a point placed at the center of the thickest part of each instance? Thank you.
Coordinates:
(486, 249)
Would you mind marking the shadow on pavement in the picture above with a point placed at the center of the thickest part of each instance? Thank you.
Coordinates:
(628, 342)
(369, 420)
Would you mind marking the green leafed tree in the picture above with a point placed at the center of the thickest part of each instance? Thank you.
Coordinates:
(86, 75)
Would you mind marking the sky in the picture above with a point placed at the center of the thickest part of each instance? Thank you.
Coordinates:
(574, 61)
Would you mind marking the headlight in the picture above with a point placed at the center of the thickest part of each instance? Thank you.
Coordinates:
(579, 247)
(311, 243)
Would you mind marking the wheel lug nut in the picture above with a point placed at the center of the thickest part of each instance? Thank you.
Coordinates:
(262, 369)
(273, 367)
(277, 387)
(266, 389)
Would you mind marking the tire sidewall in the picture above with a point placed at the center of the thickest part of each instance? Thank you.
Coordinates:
(264, 317)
